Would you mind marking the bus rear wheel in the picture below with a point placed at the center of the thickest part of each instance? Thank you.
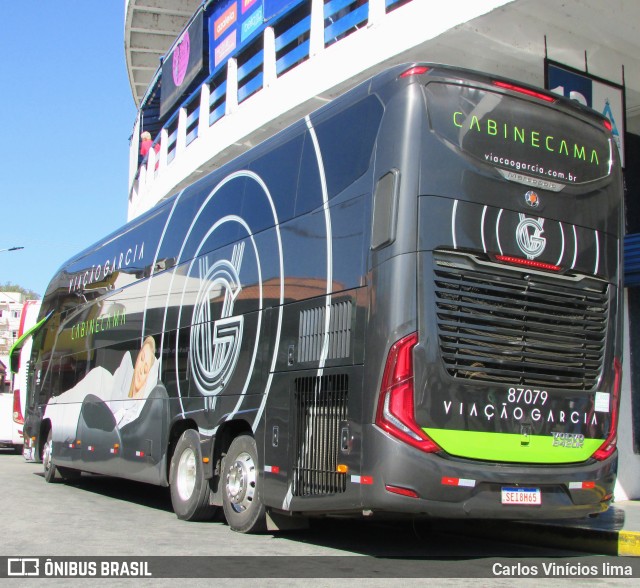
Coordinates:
(189, 487)
(241, 500)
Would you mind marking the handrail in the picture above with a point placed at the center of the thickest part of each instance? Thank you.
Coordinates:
(217, 98)
(292, 45)
(344, 16)
(250, 79)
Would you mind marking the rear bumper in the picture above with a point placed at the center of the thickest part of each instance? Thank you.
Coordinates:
(457, 488)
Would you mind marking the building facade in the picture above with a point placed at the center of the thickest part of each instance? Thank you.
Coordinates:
(10, 314)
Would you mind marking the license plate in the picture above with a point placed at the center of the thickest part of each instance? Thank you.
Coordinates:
(522, 496)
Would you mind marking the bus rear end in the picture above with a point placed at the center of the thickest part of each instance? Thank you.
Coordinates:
(502, 400)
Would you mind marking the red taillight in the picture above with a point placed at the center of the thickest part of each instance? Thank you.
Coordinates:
(395, 405)
(418, 70)
(527, 91)
(528, 262)
(17, 410)
(402, 491)
(607, 124)
(609, 446)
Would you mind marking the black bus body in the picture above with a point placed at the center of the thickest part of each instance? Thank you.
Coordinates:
(407, 303)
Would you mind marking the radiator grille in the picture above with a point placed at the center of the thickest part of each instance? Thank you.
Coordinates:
(505, 326)
(321, 405)
(312, 332)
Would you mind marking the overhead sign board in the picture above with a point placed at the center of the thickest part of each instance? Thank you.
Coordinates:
(603, 96)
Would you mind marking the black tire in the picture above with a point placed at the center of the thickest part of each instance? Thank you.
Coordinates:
(50, 469)
(241, 495)
(17, 449)
(189, 488)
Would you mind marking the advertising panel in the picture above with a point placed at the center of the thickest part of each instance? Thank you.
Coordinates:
(182, 64)
(233, 24)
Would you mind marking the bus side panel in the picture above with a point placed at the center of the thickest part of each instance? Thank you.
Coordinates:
(314, 404)
(313, 415)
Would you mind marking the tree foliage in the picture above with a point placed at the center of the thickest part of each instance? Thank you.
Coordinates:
(10, 287)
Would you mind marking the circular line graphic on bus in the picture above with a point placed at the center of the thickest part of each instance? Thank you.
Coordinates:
(222, 293)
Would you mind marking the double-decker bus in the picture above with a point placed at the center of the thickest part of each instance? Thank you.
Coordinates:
(407, 303)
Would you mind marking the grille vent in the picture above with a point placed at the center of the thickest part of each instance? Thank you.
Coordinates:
(312, 328)
(321, 405)
(505, 326)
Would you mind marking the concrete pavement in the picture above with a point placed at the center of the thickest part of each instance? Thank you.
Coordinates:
(614, 532)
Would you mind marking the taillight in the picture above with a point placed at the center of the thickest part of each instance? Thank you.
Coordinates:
(418, 70)
(609, 446)
(528, 263)
(526, 91)
(402, 491)
(395, 406)
(17, 410)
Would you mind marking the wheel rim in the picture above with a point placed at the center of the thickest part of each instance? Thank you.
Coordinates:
(241, 482)
(186, 475)
(46, 455)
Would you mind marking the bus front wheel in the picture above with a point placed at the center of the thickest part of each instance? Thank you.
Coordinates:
(47, 462)
(50, 469)
(241, 498)
(189, 487)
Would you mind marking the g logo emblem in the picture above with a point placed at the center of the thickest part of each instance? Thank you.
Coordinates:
(529, 236)
(218, 295)
(215, 344)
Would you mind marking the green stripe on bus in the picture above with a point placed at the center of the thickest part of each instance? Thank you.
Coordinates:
(509, 447)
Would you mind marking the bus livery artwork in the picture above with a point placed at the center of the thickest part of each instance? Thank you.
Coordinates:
(536, 342)
(405, 304)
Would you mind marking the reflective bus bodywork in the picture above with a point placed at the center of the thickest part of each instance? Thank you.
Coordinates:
(406, 303)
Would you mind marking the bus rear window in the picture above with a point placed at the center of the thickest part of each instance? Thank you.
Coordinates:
(517, 135)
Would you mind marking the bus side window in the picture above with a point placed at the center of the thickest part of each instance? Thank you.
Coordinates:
(43, 392)
(385, 202)
(278, 169)
(309, 190)
(347, 140)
